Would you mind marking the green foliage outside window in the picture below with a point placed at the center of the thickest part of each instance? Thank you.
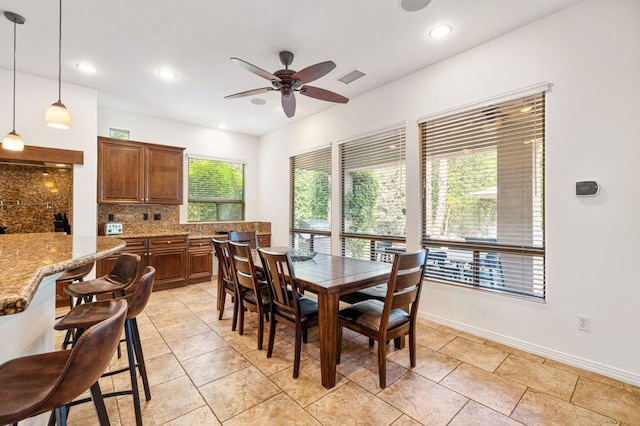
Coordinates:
(311, 195)
(360, 209)
(215, 190)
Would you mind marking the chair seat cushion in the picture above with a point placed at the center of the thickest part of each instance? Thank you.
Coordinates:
(369, 313)
(250, 296)
(308, 309)
(87, 314)
(100, 285)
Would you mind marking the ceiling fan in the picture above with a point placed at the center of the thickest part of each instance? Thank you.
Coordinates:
(289, 81)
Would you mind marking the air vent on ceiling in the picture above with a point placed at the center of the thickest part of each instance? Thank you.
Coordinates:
(351, 76)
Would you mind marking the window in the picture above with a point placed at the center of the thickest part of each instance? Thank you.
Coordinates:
(483, 208)
(373, 195)
(311, 201)
(216, 190)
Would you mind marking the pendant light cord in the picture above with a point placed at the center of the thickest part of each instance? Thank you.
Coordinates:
(14, 76)
(60, 55)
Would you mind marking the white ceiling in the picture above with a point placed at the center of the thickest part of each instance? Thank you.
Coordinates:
(129, 40)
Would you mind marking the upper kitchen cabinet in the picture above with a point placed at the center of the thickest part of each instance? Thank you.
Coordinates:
(138, 173)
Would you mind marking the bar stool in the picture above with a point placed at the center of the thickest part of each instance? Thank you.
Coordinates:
(87, 314)
(122, 275)
(74, 274)
(35, 384)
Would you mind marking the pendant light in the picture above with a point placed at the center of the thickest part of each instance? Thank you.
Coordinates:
(13, 141)
(58, 115)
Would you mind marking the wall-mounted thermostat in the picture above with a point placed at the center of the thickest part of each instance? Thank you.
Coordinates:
(587, 187)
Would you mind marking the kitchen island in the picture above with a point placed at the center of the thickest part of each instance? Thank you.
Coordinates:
(29, 267)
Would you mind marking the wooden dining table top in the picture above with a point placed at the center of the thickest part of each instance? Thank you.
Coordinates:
(328, 274)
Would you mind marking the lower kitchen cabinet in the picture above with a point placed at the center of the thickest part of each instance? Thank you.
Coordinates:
(168, 255)
(200, 260)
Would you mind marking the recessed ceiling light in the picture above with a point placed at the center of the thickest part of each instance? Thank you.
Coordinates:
(258, 101)
(440, 31)
(88, 68)
(414, 5)
(167, 75)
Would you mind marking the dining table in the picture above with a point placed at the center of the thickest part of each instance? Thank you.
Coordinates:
(330, 277)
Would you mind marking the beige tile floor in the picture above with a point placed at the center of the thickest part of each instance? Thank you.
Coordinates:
(202, 373)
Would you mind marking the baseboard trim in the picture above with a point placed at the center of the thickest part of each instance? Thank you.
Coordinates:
(605, 370)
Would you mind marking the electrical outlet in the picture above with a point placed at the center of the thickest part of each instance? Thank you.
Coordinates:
(145, 216)
(584, 323)
(157, 216)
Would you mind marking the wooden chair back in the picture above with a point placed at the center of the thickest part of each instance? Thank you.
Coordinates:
(282, 281)
(246, 237)
(224, 266)
(405, 284)
(242, 267)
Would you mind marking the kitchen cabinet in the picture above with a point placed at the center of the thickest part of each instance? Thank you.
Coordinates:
(167, 254)
(139, 173)
(264, 240)
(200, 260)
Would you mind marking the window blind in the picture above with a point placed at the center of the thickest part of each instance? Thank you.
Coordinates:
(483, 198)
(373, 193)
(310, 184)
(215, 190)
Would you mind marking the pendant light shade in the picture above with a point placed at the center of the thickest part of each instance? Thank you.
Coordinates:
(58, 115)
(12, 141)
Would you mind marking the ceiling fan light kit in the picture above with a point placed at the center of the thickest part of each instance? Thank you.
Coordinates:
(287, 82)
(12, 140)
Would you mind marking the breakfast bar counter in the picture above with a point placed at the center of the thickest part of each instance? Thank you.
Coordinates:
(25, 259)
(29, 267)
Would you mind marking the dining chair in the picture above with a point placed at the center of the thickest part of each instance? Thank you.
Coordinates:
(288, 305)
(250, 237)
(252, 293)
(226, 281)
(383, 321)
(49, 381)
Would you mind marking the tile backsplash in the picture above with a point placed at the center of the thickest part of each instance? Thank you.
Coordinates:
(132, 219)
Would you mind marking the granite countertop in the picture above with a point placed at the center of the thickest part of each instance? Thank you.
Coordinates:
(25, 259)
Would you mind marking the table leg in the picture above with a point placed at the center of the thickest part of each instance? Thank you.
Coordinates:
(328, 305)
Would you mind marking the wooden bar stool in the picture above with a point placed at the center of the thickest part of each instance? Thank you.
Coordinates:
(35, 384)
(88, 314)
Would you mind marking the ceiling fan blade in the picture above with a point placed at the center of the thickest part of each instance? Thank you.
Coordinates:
(256, 70)
(323, 94)
(314, 72)
(289, 105)
(249, 93)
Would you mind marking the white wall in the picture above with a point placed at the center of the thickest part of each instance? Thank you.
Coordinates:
(197, 140)
(33, 97)
(591, 54)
